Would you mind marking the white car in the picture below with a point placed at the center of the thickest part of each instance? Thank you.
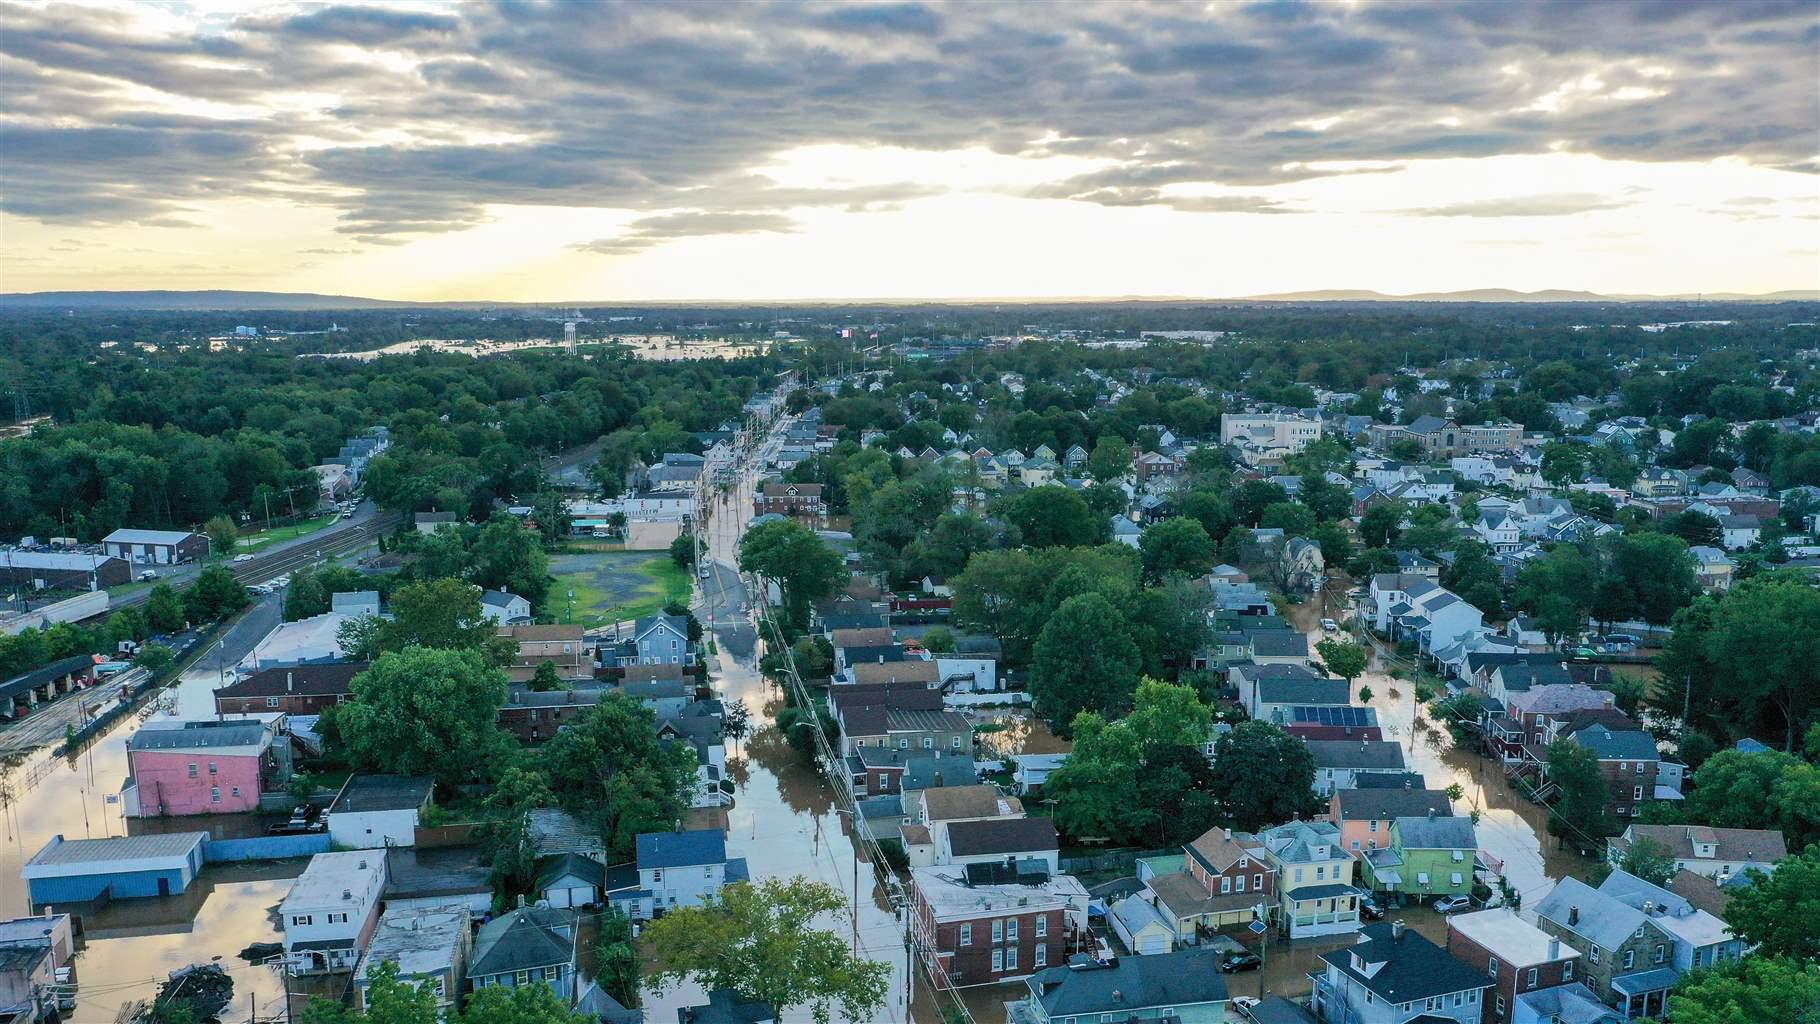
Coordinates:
(1243, 1004)
(149, 574)
(1452, 904)
(1330, 626)
(243, 558)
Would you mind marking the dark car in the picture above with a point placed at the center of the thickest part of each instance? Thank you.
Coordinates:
(1234, 962)
(1370, 910)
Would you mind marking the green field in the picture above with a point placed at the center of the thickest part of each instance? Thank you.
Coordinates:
(254, 541)
(614, 587)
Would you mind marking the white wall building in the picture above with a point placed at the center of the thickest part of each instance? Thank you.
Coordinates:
(331, 911)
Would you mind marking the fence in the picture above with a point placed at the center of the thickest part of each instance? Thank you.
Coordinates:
(460, 833)
(217, 851)
(1114, 860)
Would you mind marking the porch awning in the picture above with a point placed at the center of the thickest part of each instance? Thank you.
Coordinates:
(1643, 982)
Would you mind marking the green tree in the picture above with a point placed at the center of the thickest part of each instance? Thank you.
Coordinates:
(1381, 524)
(1262, 776)
(305, 596)
(505, 840)
(1211, 510)
(1754, 990)
(682, 550)
(546, 678)
(1777, 911)
(955, 538)
(1141, 754)
(508, 556)
(762, 941)
(1251, 498)
(1084, 660)
(1766, 640)
(1053, 516)
(616, 956)
(1293, 519)
(1768, 789)
(154, 658)
(1343, 658)
(443, 614)
(222, 534)
(421, 711)
(609, 767)
(939, 640)
(1650, 861)
(1327, 500)
(359, 637)
(1176, 546)
(804, 567)
(392, 1000)
(216, 594)
(520, 1004)
(1653, 574)
(1580, 817)
(1110, 459)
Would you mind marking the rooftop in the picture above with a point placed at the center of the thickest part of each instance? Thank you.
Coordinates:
(1128, 984)
(419, 941)
(950, 893)
(1510, 938)
(1400, 965)
(331, 876)
(383, 793)
(208, 734)
(1000, 836)
(1356, 754)
(330, 679)
(60, 851)
(981, 801)
(690, 848)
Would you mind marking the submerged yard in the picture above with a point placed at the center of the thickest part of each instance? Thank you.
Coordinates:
(609, 587)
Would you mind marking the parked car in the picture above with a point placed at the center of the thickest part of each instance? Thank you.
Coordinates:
(244, 558)
(1370, 909)
(1452, 904)
(1243, 1005)
(149, 574)
(1245, 961)
(1330, 626)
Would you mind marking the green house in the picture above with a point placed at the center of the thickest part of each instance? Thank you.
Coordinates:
(1427, 857)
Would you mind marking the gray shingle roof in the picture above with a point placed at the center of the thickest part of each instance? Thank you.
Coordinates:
(1413, 967)
(1604, 920)
(1356, 754)
(1425, 833)
(522, 939)
(1365, 804)
(1615, 746)
(1178, 979)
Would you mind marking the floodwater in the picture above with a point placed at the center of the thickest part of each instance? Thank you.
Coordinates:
(659, 347)
(1023, 733)
(133, 944)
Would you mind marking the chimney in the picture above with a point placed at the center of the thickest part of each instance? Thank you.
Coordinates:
(1229, 835)
(1554, 949)
(1431, 814)
(1396, 931)
(1408, 782)
(1573, 916)
(290, 682)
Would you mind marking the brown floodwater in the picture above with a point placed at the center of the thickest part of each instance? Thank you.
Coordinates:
(1023, 733)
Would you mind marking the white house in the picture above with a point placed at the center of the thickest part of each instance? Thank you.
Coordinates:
(505, 608)
(376, 811)
(1498, 530)
(331, 911)
(964, 675)
(679, 869)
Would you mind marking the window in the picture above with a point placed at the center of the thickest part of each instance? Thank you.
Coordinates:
(998, 931)
(707, 871)
(1658, 957)
(1458, 856)
(954, 742)
(1532, 977)
(1011, 958)
(1421, 878)
(1567, 970)
(551, 973)
(1491, 967)
(884, 781)
(1500, 1004)
(1240, 887)
(522, 977)
(1041, 959)
(1355, 844)
(657, 874)
(1630, 959)
(271, 702)
(928, 742)
(1257, 881)
(998, 960)
(302, 920)
(1698, 953)
(338, 919)
(235, 791)
(215, 794)
(1011, 930)
(1621, 765)
(192, 769)
(1623, 811)
(1374, 824)
(1455, 879)
(1636, 792)
(1244, 862)
(1042, 926)
(966, 935)
(1225, 884)
(1639, 767)
(1595, 954)
(903, 743)
(1458, 998)
(1298, 876)
(1320, 872)
(212, 768)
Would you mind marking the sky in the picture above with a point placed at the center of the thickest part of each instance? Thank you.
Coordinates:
(533, 151)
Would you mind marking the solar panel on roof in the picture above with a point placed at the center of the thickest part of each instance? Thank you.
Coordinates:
(1332, 714)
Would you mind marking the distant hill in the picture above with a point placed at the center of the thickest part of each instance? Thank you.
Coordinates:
(202, 300)
(1510, 295)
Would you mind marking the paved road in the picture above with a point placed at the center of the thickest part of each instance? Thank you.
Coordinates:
(48, 723)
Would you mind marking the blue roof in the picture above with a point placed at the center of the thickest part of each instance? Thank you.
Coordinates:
(682, 849)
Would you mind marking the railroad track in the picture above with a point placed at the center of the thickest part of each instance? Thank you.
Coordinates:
(355, 538)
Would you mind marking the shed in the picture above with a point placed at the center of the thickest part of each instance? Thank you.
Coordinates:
(79, 870)
(374, 811)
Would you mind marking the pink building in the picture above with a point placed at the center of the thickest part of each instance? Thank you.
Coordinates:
(206, 767)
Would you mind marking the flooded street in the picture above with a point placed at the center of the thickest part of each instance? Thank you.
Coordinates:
(133, 944)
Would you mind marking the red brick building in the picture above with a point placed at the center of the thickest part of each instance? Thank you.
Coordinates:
(294, 690)
(795, 500)
(533, 717)
(1515, 955)
(994, 923)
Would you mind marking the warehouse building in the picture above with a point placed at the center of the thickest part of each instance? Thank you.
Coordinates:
(157, 547)
(80, 870)
(62, 570)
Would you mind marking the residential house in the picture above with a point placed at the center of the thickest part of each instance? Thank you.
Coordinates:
(899, 718)
(724, 1006)
(568, 880)
(527, 946)
(564, 646)
(1223, 879)
(1394, 974)
(205, 767)
(910, 670)
(429, 945)
(1699, 939)
(659, 639)
(997, 840)
(1314, 879)
(1713, 567)
(679, 869)
(1183, 987)
(887, 771)
(378, 811)
(1033, 770)
(432, 522)
(932, 810)
(1630, 763)
(1498, 530)
(37, 969)
(533, 716)
(1626, 952)
(1720, 854)
(292, 690)
(331, 911)
(992, 923)
(1339, 763)
(123, 867)
(1267, 692)
(702, 726)
(1428, 856)
(1141, 925)
(1330, 722)
(505, 608)
(1739, 531)
(1365, 816)
(1521, 961)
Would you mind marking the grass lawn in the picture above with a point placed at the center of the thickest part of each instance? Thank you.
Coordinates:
(613, 587)
(255, 541)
